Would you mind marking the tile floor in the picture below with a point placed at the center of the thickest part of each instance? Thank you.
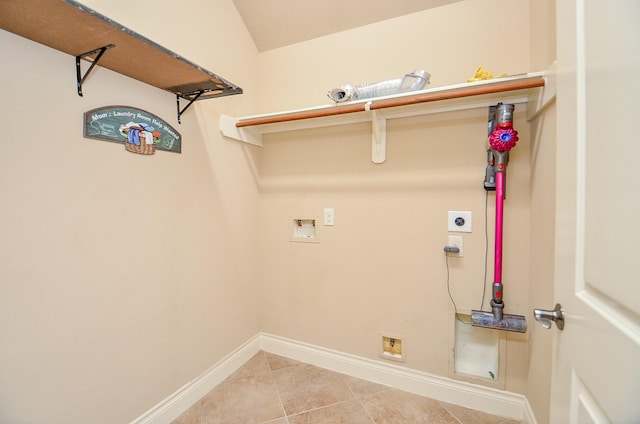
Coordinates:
(271, 389)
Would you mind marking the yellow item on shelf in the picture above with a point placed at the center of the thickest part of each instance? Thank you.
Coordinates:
(483, 74)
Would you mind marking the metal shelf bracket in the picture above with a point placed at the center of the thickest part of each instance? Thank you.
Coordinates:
(81, 78)
(191, 100)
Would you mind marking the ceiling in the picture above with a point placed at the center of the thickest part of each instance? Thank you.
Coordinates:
(278, 23)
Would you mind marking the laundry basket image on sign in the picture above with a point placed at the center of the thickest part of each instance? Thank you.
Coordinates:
(141, 137)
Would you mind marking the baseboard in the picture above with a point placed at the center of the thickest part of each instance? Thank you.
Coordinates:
(529, 416)
(480, 398)
(172, 407)
(485, 399)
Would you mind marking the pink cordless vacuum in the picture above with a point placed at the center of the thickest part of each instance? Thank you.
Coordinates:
(501, 139)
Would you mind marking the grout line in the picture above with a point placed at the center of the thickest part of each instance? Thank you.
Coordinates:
(449, 412)
(273, 381)
(322, 407)
(366, 411)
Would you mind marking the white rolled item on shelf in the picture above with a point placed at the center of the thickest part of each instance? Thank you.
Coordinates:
(416, 80)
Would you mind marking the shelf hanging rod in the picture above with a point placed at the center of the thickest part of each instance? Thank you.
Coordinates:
(433, 96)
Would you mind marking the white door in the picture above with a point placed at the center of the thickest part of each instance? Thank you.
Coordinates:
(596, 359)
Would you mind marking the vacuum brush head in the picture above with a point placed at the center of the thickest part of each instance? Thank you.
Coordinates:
(516, 323)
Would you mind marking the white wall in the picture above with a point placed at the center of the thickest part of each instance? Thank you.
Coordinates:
(450, 42)
(381, 268)
(123, 277)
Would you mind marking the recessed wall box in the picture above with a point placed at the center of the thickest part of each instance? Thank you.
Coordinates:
(392, 348)
(477, 351)
(304, 230)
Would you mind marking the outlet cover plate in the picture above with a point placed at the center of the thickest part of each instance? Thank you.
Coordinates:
(459, 221)
(457, 241)
(329, 216)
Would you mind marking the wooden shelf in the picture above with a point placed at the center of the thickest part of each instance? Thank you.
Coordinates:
(535, 89)
(73, 28)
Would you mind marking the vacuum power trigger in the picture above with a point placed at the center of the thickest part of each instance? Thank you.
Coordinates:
(490, 178)
(490, 173)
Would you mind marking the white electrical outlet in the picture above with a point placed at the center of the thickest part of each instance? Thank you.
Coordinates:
(456, 241)
(459, 221)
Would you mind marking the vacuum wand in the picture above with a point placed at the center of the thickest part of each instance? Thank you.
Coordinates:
(497, 305)
(501, 139)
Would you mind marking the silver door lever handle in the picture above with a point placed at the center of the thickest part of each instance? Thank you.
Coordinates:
(545, 317)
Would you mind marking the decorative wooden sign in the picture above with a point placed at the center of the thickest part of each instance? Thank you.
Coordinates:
(140, 131)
